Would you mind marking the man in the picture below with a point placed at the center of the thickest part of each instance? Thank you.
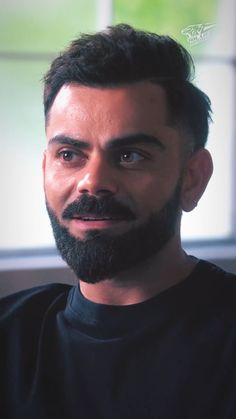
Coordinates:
(149, 331)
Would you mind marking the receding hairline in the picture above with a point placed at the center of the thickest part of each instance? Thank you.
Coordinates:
(116, 85)
(171, 121)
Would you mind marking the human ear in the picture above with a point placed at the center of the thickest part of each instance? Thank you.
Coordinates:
(197, 173)
(44, 167)
(44, 162)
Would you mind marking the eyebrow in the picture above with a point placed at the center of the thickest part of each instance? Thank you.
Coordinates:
(115, 143)
(65, 140)
(137, 138)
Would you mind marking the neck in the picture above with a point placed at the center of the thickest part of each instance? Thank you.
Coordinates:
(171, 266)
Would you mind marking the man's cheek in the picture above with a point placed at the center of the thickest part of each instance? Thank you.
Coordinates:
(60, 190)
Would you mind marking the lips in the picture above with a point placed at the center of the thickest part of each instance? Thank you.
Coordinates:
(90, 222)
(90, 210)
(96, 218)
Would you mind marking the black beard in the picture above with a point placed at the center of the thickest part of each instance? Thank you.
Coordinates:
(102, 256)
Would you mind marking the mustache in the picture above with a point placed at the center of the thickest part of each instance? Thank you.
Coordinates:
(106, 206)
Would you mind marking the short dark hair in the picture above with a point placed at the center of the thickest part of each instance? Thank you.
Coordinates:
(122, 55)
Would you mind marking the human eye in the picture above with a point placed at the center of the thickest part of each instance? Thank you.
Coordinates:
(67, 156)
(131, 157)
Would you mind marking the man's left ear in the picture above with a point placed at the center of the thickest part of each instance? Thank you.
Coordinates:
(44, 161)
(198, 170)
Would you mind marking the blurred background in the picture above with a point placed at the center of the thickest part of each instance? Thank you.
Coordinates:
(32, 33)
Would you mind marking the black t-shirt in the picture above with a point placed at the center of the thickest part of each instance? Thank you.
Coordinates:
(171, 357)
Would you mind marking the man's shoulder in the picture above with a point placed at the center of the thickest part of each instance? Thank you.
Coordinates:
(32, 301)
(215, 270)
(217, 287)
(216, 273)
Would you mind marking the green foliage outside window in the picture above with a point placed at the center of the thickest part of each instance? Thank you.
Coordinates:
(166, 17)
(44, 26)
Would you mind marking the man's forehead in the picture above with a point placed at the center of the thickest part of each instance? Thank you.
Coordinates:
(139, 92)
(100, 115)
(142, 102)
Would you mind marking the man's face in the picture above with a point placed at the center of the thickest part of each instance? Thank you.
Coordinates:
(112, 176)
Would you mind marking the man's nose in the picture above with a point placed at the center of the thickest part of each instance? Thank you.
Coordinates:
(98, 178)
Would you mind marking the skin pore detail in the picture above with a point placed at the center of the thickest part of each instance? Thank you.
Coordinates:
(83, 181)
